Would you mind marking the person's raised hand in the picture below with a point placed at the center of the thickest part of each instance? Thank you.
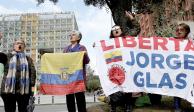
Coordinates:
(129, 15)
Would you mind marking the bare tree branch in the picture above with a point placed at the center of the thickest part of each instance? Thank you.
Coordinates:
(108, 3)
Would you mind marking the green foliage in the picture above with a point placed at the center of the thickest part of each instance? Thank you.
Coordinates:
(137, 4)
(42, 1)
(165, 106)
(164, 25)
(93, 83)
(95, 3)
(167, 31)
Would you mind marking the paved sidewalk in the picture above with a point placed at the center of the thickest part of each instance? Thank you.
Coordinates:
(49, 99)
(48, 103)
(52, 107)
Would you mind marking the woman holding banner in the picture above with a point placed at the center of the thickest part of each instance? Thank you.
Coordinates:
(125, 98)
(18, 80)
(75, 38)
(182, 32)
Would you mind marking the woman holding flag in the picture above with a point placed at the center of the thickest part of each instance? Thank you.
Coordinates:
(75, 38)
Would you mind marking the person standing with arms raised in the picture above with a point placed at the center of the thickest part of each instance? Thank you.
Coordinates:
(116, 32)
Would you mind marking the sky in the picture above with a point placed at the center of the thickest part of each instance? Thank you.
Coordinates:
(94, 23)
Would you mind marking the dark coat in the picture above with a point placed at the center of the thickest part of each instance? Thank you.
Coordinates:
(32, 73)
(3, 58)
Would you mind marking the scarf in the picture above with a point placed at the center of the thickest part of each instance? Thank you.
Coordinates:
(10, 81)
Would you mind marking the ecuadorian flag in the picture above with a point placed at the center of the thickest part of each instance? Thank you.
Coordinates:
(113, 56)
(62, 73)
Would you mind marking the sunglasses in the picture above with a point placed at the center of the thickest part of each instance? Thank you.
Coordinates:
(115, 28)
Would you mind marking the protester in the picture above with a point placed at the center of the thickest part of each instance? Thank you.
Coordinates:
(125, 98)
(117, 31)
(0, 38)
(3, 61)
(75, 38)
(19, 77)
(155, 99)
(133, 26)
(182, 32)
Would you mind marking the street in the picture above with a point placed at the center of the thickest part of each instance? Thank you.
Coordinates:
(51, 107)
(48, 103)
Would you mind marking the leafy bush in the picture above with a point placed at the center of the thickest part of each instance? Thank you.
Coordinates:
(93, 83)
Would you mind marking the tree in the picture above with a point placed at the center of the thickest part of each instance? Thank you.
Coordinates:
(93, 81)
(164, 14)
(118, 8)
(42, 1)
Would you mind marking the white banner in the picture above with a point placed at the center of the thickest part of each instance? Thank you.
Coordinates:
(152, 65)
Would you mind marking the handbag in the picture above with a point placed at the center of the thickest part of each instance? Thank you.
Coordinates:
(31, 105)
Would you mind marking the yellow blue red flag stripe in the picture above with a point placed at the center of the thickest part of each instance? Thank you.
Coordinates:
(62, 73)
(113, 56)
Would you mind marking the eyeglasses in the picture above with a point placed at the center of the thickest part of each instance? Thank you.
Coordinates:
(115, 28)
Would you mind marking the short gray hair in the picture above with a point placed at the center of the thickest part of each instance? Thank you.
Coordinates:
(78, 33)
